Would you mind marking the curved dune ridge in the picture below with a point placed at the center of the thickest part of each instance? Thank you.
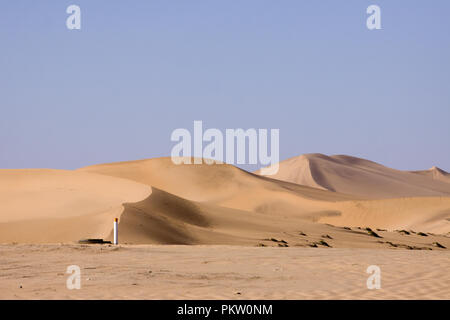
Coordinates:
(435, 173)
(362, 177)
(228, 187)
(160, 202)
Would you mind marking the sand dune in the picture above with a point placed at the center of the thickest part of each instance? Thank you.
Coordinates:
(362, 177)
(225, 189)
(230, 187)
(435, 173)
(40, 205)
(223, 185)
(208, 183)
(424, 214)
(163, 218)
(159, 202)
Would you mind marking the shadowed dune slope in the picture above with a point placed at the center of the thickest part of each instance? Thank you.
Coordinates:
(160, 202)
(360, 177)
(227, 187)
(163, 218)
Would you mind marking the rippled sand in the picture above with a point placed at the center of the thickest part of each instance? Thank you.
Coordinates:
(220, 272)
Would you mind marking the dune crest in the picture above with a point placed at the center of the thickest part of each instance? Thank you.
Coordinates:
(360, 177)
(435, 173)
(159, 202)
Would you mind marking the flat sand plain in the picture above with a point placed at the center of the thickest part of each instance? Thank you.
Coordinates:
(38, 271)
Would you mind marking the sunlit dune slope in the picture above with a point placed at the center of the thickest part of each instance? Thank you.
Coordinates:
(42, 205)
(157, 201)
(221, 184)
(362, 177)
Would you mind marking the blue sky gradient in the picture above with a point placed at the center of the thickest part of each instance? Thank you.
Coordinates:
(116, 89)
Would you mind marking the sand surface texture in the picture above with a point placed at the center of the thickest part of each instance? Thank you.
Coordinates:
(158, 202)
(220, 272)
(216, 231)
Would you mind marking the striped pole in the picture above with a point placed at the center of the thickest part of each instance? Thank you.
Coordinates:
(116, 231)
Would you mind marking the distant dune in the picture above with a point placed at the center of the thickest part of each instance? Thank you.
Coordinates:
(327, 201)
(362, 177)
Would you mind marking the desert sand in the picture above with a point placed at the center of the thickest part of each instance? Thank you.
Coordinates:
(41, 205)
(319, 213)
(158, 202)
(362, 177)
(219, 272)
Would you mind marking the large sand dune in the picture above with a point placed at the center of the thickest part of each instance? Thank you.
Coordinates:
(160, 202)
(362, 177)
(41, 205)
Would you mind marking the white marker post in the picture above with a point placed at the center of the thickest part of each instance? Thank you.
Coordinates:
(116, 231)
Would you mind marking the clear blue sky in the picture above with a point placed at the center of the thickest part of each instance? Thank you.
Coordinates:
(137, 70)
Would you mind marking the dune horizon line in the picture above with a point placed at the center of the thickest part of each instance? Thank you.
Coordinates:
(160, 202)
